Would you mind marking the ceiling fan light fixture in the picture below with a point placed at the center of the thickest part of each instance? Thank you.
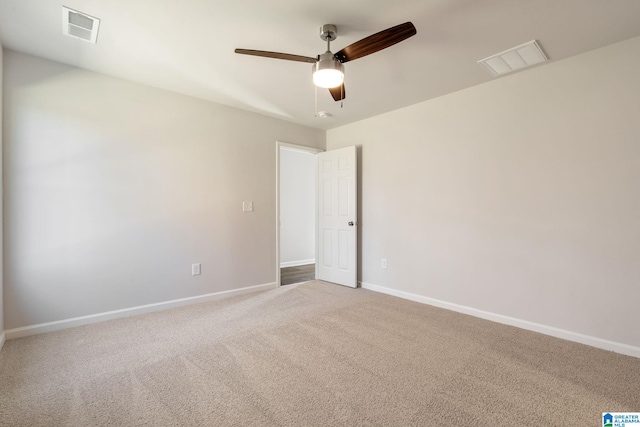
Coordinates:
(328, 72)
(328, 69)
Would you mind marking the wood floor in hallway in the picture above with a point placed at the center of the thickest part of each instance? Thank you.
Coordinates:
(298, 274)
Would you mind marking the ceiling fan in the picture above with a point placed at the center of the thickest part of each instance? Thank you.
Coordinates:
(328, 71)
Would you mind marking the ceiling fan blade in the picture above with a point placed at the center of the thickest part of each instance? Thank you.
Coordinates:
(376, 42)
(338, 92)
(277, 55)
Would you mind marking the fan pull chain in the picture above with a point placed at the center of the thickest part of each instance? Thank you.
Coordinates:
(316, 100)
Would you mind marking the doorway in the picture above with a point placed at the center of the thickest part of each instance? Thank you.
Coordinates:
(296, 217)
(331, 243)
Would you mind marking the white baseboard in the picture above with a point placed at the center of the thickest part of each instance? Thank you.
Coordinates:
(126, 312)
(617, 347)
(297, 263)
(2, 338)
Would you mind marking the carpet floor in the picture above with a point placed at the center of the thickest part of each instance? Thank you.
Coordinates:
(314, 354)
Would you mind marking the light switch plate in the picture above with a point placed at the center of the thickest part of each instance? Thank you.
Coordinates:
(195, 269)
(247, 206)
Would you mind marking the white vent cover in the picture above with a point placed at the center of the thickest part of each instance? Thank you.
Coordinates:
(513, 59)
(80, 25)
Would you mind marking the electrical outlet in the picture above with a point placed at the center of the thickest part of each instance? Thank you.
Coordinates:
(195, 269)
(247, 206)
(384, 263)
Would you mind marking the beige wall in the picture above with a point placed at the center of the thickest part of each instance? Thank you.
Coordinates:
(519, 197)
(113, 190)
(1, 200)
(297, 207)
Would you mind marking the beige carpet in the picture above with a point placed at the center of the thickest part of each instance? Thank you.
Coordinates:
(310, 355)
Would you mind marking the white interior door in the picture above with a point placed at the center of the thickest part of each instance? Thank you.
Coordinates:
(337, 214)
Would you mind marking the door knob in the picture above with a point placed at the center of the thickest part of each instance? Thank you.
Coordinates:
(350, 223)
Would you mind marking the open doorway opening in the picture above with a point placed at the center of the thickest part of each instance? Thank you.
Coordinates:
(297, 172)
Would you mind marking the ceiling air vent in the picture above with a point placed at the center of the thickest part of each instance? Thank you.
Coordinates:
(80, 25)
(513, 59)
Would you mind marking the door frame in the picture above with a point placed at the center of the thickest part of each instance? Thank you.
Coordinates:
(307, 150)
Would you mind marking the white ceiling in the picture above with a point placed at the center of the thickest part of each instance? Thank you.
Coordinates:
(187, 46)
